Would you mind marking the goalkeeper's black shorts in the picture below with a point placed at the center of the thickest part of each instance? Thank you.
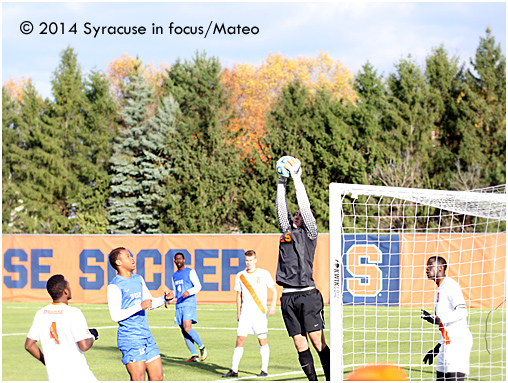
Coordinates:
(302, 311)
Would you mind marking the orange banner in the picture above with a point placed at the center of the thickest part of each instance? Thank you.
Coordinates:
(29, 261)
(476, 261)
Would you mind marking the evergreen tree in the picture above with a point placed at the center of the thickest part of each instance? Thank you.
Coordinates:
(140, 163)
(366, 117)
(483, 125)
(32, 169)
(66, 117)
(204, 186)
(312, 129)
(408, 126)
(11, 143)
(445, 77)
(101, 128)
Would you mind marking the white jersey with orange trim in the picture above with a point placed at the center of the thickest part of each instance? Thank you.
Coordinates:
(59, 327)
(456, 339)
(253, 286)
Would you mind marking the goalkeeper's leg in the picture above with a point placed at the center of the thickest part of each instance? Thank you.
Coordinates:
(318, 341)
(305, 357)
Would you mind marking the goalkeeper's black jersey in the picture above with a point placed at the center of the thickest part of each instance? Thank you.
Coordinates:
(297, 246)
(296, 257)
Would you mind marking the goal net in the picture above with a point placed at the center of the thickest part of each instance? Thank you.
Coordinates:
(380, 241)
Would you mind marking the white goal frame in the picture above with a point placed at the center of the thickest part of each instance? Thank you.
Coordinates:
(484, 203)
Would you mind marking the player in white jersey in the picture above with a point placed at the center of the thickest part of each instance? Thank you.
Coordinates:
(64, 335)
(251, 295)
(450, 313)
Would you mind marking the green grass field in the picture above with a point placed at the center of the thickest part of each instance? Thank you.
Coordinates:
(393, 341)
(399, 336)
(216, 327)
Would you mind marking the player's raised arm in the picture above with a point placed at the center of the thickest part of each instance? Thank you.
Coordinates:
(283, 214)
(309, 221)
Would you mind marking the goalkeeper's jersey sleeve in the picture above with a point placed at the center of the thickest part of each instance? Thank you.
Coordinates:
(283, 215)
(309, 222)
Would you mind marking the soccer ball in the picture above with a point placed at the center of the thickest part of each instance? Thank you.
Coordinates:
(281, 170)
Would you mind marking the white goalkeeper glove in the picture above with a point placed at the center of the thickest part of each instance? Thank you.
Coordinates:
(294, 167)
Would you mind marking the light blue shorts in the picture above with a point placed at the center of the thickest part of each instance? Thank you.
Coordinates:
(186, 313)
(139, 350)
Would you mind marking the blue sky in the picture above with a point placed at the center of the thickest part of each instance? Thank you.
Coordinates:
(352, 32)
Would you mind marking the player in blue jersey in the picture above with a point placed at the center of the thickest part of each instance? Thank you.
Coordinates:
(186, 285)
(128, 298)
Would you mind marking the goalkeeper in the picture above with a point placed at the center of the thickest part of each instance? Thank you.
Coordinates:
(301, 302)
(450, 315)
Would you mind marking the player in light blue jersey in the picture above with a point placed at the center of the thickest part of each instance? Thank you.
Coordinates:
(128, 298)
(186, 285)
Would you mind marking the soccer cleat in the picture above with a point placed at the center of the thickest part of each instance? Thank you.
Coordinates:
(230, 374)
(203, 353)
(193, 358)
(262, 374)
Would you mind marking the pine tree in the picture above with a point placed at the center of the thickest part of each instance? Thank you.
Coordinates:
(408, 126)
(366, 117)
(445, 77)
(140, 163)
(204, 186)
(101, 127)
(483, 126)
(32, 169)
(312, 129)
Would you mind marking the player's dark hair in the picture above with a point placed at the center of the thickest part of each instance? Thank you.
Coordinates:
(250, 253)
(179, 253)
(56, 285)
(437, 260)
(114, 255)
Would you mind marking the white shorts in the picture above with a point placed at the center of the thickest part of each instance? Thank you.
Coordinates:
(454, 357)
(252, 324)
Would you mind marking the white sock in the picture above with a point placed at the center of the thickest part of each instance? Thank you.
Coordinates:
(237, 355)
(265, 355)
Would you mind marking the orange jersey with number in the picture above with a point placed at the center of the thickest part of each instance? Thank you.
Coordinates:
(59, 327)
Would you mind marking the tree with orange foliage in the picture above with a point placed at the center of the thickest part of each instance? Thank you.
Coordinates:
(254, 88)
(121, 69)
(16, 87)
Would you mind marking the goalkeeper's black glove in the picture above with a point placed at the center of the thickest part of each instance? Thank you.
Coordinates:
(94, 332)
(429, 357)
(430, 318)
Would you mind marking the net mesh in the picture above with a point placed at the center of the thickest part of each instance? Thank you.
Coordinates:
(387, 235)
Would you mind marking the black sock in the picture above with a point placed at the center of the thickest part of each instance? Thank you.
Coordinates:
(455, 376)
(324, 356)
(307, 363)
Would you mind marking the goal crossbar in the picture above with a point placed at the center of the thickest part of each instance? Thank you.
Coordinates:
(485, 203)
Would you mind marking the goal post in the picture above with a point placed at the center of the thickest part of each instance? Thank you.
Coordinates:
(380, 240)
